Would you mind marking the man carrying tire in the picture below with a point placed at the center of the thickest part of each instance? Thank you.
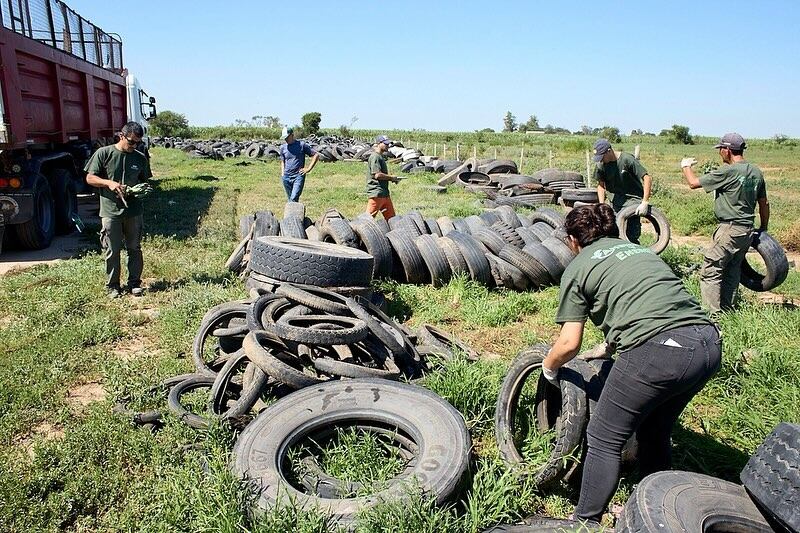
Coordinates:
(626, 179)
(738, 186)
(378, 179)
(668, 349)
(115, 170)
(293, 164)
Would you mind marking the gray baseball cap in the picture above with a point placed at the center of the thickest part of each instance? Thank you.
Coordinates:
(732, 141)
(601, 146)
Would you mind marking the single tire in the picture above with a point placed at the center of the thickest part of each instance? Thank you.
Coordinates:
(580, 195)
(772, 477)
(550, 216)
(527, 236)
(475, 257)
(376, 327)
(509, 216)
(273, 358)
(196, 381)
(430, 335)
(234, 262)
(547, 259)
(433, 227)
(311, 262)
(338, 231)
(435, 260)
(315, 298)
(458, 265)
(402, 223)
(490, 217)
(215, 316)
(266, 225)
(37, 233)
(246, 223)
(491, 239)
(512, 277)
(474, 223)
(561, 251)
(569, 425)
(656, 217)
(323, 330)
(674, 501)
(66, 200)
(407, 257)
(436, 428)
(445, 225)
(536, 272)
(292, 226)
(417, 219)
(250, 392)
(508, 234)
(774, 257)
(374, 242)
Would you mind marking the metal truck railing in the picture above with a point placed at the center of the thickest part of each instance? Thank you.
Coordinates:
(55, 24)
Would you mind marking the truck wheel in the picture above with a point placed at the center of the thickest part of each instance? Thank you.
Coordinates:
(66, 200)
(37, 233)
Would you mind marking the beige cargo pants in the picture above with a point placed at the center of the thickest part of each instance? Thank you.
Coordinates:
(722, 267)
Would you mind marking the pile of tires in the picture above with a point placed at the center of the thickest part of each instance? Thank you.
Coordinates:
(499, 248)
(500, 183)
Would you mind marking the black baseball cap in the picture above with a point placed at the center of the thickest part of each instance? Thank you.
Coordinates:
(601, 147)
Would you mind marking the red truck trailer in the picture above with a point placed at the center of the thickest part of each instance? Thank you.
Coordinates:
(64, 93)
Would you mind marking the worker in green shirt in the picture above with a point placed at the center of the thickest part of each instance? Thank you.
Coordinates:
(667, 348)
(117, 170)
(378, 178)
(738, 186)
(626, 179)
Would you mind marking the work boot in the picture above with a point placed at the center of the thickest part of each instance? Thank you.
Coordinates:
(137, 291)
(113, 292)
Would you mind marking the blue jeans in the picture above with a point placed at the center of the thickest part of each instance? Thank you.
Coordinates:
(293, 184)
(647, 389)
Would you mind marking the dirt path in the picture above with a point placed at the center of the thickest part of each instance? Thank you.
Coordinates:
(63, 247)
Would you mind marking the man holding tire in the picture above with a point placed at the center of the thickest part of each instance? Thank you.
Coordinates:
(378, 179)
(668, 349)
(738, 186)
(293, 164)
(115, 170)
(626, 179)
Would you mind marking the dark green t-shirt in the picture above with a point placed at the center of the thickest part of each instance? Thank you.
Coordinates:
(627, 291)
(376, 188)
(127, 168)
(737, 188)
(623, 178)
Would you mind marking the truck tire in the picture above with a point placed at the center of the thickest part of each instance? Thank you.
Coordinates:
(549, 216)
(374, 243)
(535, 271)
(434, 258)
(409, 266)
(311, 262)
(37, 233)
(472, 253)
(66, 200)
(674, 501)
(437, 430)
(775, 260)
(772, 477)
(338, 231)
(570, 422)
(292, 226)
(656, 217)
(580, 195)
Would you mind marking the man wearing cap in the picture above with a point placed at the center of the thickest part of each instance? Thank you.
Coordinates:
(378, 180)
(626, 179)
(738, 186)
(293, 161)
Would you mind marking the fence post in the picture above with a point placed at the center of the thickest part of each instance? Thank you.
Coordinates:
(588, 169)
(444, 151)
(458, 152)
(550, 159)
(434, 149)
(475, 152)
(521, 159)
(495, 152)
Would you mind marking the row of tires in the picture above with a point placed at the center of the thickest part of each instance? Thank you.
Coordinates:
(498, 248)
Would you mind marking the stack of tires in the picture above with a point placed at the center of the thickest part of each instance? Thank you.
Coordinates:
(499, 248)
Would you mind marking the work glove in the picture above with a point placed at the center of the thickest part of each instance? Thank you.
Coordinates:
(600, 351)
(140, 190)
(688, 162)
(550, 375)
(642, 209)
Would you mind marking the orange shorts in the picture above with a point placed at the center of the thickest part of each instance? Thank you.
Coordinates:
(382, 205)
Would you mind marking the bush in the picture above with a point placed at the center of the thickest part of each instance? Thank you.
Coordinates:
(678, 135)
(169, 124)
(611, 133)
(311, 122)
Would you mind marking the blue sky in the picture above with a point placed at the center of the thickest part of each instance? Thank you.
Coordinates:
(459, 66)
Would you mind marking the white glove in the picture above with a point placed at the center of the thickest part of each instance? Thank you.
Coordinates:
(550, 375)
(643, 208)
(688, 162)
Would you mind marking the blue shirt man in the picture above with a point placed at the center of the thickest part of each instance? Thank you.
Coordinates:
(293, 160)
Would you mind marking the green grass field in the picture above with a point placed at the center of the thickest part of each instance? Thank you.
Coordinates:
(67, 354)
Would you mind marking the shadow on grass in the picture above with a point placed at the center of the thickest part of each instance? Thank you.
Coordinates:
(163, 285)
(696, 452)
(177, 212)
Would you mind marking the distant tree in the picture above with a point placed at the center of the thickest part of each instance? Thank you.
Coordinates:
(509, 123)
(169, 124)
(531, 125)
(611, 133)
(679, 135)
(311, 122)
(485, 130)
(353, 120)
(272, 122)
(344, 131)
(586, 130)
(241, 123)
(637, 132)
(550, 129)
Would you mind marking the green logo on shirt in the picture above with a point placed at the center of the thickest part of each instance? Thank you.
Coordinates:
(622, 251)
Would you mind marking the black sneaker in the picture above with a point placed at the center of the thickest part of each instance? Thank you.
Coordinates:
(137, 291)
(113, 292)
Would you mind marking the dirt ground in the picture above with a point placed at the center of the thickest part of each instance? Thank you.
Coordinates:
(63, 246)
